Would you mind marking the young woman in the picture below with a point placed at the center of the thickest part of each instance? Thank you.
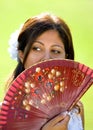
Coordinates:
(42, 37)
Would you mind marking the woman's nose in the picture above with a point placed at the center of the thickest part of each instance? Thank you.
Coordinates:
(47, 56)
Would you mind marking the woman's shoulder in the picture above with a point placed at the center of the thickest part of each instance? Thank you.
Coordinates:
(79, 106)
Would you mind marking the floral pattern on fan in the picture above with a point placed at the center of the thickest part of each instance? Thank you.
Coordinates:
(42, 87)
(49, 81)
(52, 81)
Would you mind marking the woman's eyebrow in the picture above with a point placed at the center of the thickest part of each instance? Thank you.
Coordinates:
(56, 45)
(39, 42)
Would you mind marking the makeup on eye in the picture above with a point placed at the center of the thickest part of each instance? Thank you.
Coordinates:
(37, 46)
(55, 51)
(54, 47)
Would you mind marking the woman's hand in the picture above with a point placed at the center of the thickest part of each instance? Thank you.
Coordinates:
(58, 123)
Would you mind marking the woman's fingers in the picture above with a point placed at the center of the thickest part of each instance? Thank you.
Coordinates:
(60, 122)
(64, 122)
(57, 119)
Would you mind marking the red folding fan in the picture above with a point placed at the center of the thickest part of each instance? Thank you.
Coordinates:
(43, 91)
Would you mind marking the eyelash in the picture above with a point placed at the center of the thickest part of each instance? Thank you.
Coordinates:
(56, 51)
(35, 48)
(53, 51)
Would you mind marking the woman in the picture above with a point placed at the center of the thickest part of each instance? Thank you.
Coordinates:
(47, 37)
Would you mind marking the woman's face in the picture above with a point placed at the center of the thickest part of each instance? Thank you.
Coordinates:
(48, 45)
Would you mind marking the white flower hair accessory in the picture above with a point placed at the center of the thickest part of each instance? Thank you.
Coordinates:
(13, 43)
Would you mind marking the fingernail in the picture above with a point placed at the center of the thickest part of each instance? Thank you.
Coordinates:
(65, 113)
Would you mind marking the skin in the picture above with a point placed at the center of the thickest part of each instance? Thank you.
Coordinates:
(58, 123)
(49, 45)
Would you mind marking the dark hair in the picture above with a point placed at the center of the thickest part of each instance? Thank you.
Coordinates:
(34, 27)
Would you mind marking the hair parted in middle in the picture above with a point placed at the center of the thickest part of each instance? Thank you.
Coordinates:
(37, 25)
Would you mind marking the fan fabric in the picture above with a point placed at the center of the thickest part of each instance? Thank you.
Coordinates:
(43, 91)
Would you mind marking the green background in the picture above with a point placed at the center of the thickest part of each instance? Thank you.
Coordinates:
(79, 16)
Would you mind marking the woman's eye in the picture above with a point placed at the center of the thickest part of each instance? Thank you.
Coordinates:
(56, 51)
(36, 49)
